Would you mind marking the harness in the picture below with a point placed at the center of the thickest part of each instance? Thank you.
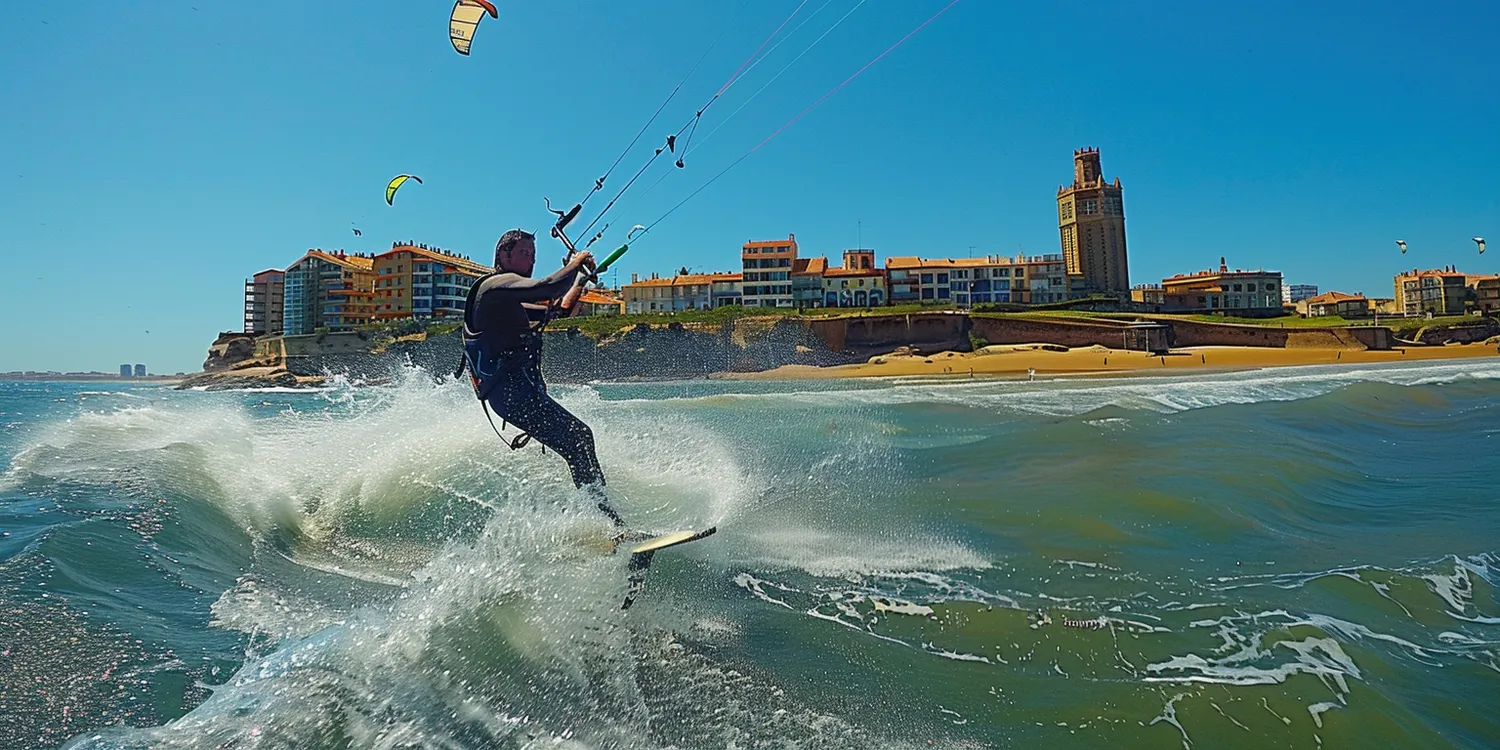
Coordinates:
(485, 369)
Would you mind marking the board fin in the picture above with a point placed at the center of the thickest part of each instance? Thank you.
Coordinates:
(648, 546)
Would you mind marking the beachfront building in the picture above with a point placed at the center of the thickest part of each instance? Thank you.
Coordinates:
(726, 289)
(331, 290)
(924, 280)
(807, 281)
(1046, 280)
(1237, 291)
(1486, 291)
(1435, 292)
(1148, 294)
(692, 291)
(1291, 294)
(858, 283)
(979, 281)
(264, 294)
(767, 272)
(1336, 304)
(417, 281)
(596, 302)
(1091, 227)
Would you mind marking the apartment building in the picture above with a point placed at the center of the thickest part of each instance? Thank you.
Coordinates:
(807, 281)
(1438, 292)
(979, 281)
(1223, 290)
(332, 290)
(766, 267)
(417, 281)
(673, 294)
(264, 302)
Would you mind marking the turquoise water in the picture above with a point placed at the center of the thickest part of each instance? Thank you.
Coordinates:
(1288, 558)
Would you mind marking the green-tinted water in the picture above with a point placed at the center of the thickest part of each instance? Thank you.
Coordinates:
(1297, 558)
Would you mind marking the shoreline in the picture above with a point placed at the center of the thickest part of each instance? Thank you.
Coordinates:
(1005, 361)
(1018, 360)
(114, 380)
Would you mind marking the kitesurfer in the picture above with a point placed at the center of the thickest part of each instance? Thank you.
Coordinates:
(502, 332)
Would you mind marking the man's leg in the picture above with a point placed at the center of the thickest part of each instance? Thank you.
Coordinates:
(547, 422)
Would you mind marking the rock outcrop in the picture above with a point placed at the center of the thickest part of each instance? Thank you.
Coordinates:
(245, 377)
(229, 349)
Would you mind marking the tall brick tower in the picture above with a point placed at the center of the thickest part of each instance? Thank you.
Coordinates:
(1091, 222)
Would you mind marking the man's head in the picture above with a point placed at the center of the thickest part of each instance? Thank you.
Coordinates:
(516, 252)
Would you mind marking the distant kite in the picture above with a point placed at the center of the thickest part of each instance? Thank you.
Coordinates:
(631, 234)
(465, 21)
(395, 184)
(358, 233)
(1401, 244)
(1480, 242)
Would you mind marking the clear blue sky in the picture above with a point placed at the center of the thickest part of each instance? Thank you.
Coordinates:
(156, 154)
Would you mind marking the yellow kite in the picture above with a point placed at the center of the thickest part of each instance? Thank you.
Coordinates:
(390, 189)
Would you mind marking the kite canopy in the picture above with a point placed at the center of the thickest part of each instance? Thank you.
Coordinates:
(1401, 244)
(465, 21)
(395, 184)
(1480, 242)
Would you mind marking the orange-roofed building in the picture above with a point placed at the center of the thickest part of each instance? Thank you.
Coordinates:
(595, 302)
(767, 272)
(858, 283)
(1439, 292)
(966, 282)
(693, 291)
(726, 289)
(807, 281)
(1337, 303)
(1486, 293)
(417, 281)
(1223, 290)
(332, 290)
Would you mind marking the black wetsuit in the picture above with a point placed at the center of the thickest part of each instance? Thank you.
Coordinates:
(508, 332)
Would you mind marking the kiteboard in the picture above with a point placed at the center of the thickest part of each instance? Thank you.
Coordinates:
(645, 547)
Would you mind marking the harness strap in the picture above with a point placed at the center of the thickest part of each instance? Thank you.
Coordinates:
(516, 443)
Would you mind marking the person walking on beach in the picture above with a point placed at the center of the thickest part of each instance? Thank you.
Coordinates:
(502, 332)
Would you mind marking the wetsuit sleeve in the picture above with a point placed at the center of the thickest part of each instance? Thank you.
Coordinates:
(522, 289)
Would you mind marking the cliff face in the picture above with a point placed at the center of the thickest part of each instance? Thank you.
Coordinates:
(643, 352)
(752, 344)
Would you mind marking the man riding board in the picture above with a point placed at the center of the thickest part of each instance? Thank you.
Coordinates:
(502, 331)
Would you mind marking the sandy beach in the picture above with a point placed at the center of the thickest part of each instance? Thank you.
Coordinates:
(1051, 360)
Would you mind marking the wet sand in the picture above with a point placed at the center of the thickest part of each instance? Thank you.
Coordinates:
(1017, 360)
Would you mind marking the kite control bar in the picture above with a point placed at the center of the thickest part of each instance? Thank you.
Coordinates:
(560, 231)
(564, 218)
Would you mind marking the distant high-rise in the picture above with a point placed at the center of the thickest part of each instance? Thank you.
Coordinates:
(1291, 294)
(140, 370)
(1091, 225)
(264, 299)
(124, 371)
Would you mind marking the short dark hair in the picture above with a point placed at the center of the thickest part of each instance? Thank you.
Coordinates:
(509, 240)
